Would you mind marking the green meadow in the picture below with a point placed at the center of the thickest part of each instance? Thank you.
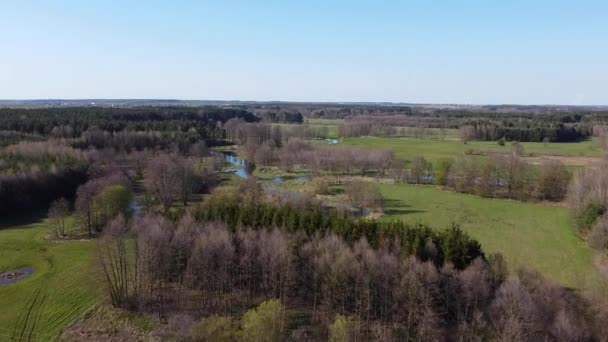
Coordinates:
(406, 148)
(56, 294)
(531, 235)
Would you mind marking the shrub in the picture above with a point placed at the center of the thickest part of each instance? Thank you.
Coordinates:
(364, 194)
(598, 238)
(264, 323)
(113, 200)
(442, 171)
(589, 215)
(214, 328)
(319, 186)
(339, 329)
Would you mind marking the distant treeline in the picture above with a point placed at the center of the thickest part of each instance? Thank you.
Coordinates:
(280, 116)
(564, 114)
(536, 132)
(552, 127)
(74, 121)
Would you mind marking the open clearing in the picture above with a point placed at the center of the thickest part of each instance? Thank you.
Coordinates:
(432, 150)
(534, 235)
(38, 307)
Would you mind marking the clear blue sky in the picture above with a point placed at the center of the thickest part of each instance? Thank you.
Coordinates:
(528, 52)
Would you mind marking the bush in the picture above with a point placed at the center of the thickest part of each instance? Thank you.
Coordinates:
(442, 171)
(364, 194)
(501, 141)
(113, 200)
(598, 238)
(264, 323)
(588, 216)
(319, 186)
(215, 328)
(339, 329)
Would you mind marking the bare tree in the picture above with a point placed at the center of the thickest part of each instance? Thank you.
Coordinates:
(513, 313)
(552, 181)
(162, 179)
(115, 263)
(211, 264)
(58, 213)
(415, 300)
(364, 194)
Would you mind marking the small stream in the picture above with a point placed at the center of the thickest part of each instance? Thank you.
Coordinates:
(244, 169)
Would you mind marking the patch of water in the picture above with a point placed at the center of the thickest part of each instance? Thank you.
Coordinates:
(136, 208)
(14, 276)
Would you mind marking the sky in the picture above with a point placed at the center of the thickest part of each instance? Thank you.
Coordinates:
(469, 52)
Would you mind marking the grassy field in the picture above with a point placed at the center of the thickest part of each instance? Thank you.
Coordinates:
(433, 150)
(534, 235)
(332, 125)
(55, 295)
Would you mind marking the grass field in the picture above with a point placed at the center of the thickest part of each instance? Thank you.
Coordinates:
(55, 295)
(433, 150)
(332, 125)
(534, 235)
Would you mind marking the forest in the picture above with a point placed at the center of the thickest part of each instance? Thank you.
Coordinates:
(259, 222)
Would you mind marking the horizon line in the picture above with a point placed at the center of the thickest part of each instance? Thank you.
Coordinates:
(396, 103)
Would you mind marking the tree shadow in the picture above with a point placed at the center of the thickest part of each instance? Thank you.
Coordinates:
(402, 211)
(397, 207)
(22, 219)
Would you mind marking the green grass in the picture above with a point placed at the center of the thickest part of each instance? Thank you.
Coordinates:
(55, 295)
(405, 148)
(534, 235)
(332, 125)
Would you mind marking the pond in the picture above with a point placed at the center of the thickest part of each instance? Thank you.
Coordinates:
(14, 276)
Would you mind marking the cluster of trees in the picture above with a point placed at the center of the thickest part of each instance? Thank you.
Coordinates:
(534, 131)
(588, 202)
(244, 133)
(241, 209)
(255, 136)
(279, 116)
(12, 137)
(265, 145)
(380, 293)
(26, 156)
(601, 132)
(506, 176)
(54, 148)
(344, 159)
(33, 174)
(129, 141)
(171, 177)
(100, 199)
(362, 194)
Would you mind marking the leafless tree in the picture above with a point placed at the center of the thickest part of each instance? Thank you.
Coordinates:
(58, 213)
(162, 179)
(211, 264)
(116, 266)
(552, 182)
(513, 312)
